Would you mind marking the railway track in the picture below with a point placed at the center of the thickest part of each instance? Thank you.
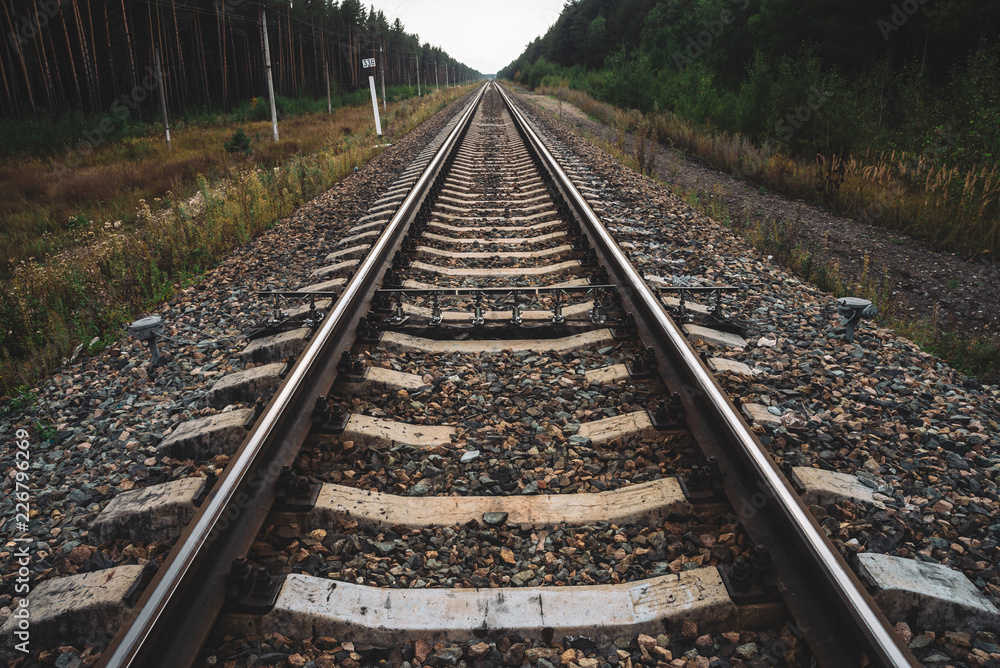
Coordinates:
(493, 427)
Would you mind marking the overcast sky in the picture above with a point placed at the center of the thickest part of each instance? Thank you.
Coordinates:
(484, 34)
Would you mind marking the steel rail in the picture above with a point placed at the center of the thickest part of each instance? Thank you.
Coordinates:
(160, 622)
(869, 625)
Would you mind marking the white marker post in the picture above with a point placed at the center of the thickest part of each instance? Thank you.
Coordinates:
(368, 64)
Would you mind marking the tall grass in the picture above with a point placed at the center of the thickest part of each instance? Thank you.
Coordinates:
(977, 355)
(113, 271)
(954, 209)
(43, 200)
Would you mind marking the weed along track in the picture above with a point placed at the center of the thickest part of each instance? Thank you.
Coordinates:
(489, 441)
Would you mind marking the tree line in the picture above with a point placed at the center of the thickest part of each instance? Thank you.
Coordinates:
(62, 55)
(851, 74)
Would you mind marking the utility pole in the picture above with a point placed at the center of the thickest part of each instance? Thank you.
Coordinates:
(382, 70)
(326, 73)
(267, 67)
(418, 76)
(436, 68)
(163, 97)
(446, 84)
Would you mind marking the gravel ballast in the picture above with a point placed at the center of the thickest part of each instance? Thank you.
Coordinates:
(95, 424)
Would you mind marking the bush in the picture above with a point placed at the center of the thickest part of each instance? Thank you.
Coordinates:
(630, 81)
(238, 142)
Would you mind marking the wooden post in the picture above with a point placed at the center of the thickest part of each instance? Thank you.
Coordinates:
(418, 76)
(267, 67)
(163, 97)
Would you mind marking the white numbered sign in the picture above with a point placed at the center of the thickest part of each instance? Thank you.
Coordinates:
(368, 63)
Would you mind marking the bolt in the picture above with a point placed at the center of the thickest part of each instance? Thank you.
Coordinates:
(675, 410)
(762, 562)
(739, 576)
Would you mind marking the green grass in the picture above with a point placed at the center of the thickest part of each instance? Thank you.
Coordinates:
(977, 356)
(957, 209)
(109, 272)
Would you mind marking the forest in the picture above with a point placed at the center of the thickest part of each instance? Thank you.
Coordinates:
(92, 56)
(101, 218)
(886, 112)
(814, 76)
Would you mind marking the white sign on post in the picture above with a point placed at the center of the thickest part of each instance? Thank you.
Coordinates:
(378, 121)
(368, 63)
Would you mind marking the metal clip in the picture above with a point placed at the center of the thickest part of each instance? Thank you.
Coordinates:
(557, 309)
(436, 318)
(477, 313)
(597, 313)
(398, 316)
(516, 318)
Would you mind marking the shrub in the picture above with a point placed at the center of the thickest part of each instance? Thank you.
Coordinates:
(238, 142)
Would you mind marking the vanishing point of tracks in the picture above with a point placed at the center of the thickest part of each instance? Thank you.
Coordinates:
(400, 418)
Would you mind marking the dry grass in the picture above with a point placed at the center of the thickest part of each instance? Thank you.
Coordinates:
(108, 272)
(953, 209)
(886, 183)
(42, 202)
(975, 354)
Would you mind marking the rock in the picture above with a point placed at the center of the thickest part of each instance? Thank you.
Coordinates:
(904, 632)
(494, 519)
(689, 629)
(522, 577)
(421, 488)
(449, 655)
(514, 656)
(69, 660)
(958, 638)
(535, 653)
(421, 650)
(79, 554)
(478, 651)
